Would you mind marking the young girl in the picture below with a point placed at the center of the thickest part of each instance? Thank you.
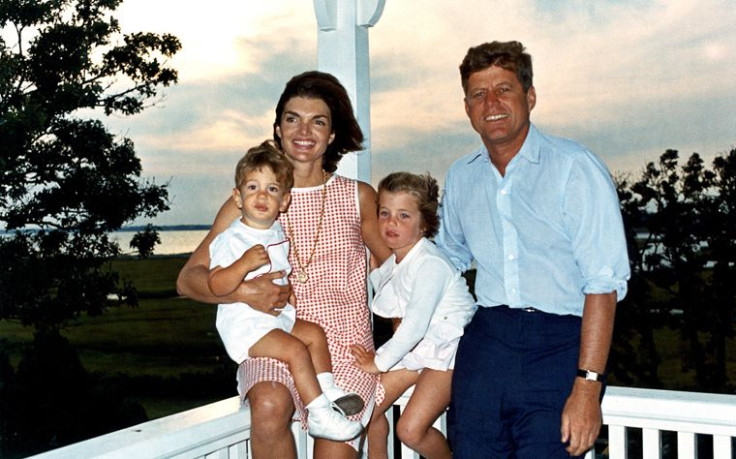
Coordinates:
(418, 285)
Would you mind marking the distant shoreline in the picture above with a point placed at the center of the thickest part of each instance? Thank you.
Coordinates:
(166, 228)
(136, 228)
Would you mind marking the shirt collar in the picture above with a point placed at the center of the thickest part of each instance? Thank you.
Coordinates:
(529, 150)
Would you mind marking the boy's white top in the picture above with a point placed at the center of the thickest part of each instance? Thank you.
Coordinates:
(239, 325)
(433, 300)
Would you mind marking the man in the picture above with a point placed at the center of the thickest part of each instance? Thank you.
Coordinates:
(540, 217)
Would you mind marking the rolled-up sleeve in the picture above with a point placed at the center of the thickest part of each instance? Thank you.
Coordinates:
(592, 217)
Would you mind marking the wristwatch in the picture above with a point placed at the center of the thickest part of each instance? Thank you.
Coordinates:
(590, 375)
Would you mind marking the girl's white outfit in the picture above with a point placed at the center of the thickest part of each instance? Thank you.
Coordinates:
(433, 300)
(240, 326)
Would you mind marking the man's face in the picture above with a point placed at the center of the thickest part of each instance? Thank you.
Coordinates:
(499, 108)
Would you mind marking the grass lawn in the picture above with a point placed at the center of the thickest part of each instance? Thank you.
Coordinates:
(174, 340)
(166, 337)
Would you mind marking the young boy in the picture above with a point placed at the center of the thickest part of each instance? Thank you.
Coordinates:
(253, 245)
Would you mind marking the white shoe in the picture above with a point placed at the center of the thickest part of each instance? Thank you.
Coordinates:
(348, 404)
(342, 402)
(324, 422)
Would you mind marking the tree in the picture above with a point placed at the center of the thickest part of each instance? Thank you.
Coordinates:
(634, 359)
(687, 255)
(66, 181)
(65, 184)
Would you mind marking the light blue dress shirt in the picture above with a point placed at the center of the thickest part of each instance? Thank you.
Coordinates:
(544, 235)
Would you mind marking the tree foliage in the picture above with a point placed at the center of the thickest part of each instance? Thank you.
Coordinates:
(65, 181)
(684, 259)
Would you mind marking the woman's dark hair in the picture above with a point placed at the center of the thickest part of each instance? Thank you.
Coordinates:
(424, 188)
(323, 86)
(508, 55)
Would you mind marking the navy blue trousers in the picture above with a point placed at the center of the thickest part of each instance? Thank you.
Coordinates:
(513, 373)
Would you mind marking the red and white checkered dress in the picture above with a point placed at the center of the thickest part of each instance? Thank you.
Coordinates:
(335, 295)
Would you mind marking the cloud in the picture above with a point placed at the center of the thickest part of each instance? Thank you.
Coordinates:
(212, 33)
(623, 77)
(628, 79)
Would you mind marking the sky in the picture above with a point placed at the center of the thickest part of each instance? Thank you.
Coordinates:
(627, 79)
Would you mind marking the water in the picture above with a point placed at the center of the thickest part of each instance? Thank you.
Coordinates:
(172, 241)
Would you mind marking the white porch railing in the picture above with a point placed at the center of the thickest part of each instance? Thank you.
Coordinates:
(222, 430)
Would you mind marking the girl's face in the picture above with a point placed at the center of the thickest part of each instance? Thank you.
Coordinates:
(305, 129)
(399, 221)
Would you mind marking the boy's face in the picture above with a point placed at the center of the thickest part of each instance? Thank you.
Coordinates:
(261, 198)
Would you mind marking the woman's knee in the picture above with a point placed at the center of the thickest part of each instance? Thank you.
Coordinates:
(271, 406)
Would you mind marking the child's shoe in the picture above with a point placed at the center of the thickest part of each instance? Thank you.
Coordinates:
(348, 404)
(344, 403)
(324, 422)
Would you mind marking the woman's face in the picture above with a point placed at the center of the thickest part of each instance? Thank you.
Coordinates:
(305, 129)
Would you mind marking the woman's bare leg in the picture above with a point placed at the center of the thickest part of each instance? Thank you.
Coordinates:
(378, 437)
(326, 449)
(271, 410)
(430, 398)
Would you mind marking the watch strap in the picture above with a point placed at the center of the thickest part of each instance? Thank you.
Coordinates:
(589, 375)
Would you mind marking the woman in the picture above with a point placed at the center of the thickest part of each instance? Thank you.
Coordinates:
(330, 221)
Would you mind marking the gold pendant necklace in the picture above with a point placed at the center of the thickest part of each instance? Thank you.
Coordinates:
(301, 273)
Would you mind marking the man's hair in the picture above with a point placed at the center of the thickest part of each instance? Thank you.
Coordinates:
(424, 188)
(267, 154)
(508, 55)
(327, 88)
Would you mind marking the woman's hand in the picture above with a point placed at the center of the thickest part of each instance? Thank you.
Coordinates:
(364, 360)
(263, 295)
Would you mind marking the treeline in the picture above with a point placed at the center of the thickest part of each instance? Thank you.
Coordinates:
(680, 221)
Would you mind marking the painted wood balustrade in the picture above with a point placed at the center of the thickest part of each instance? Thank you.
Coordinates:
(640, 423)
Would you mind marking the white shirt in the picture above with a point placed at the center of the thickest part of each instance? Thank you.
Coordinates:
(545, 234)
(433, 300)
(239, 325)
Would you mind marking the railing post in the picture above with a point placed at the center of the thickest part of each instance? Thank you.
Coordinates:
(343, 51)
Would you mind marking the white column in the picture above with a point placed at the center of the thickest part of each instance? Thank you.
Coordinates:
(344, 52)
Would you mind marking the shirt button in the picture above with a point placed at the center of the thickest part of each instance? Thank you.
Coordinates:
(511, 257)
(504, 191)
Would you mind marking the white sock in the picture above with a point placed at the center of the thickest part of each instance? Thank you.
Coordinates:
(319, 402)
(326, 380)
(329, 388)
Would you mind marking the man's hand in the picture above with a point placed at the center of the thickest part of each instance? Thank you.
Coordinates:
(263, 295)
(364, 360)
(581, 417)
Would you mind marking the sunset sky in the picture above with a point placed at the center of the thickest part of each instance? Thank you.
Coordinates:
(628, 79)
